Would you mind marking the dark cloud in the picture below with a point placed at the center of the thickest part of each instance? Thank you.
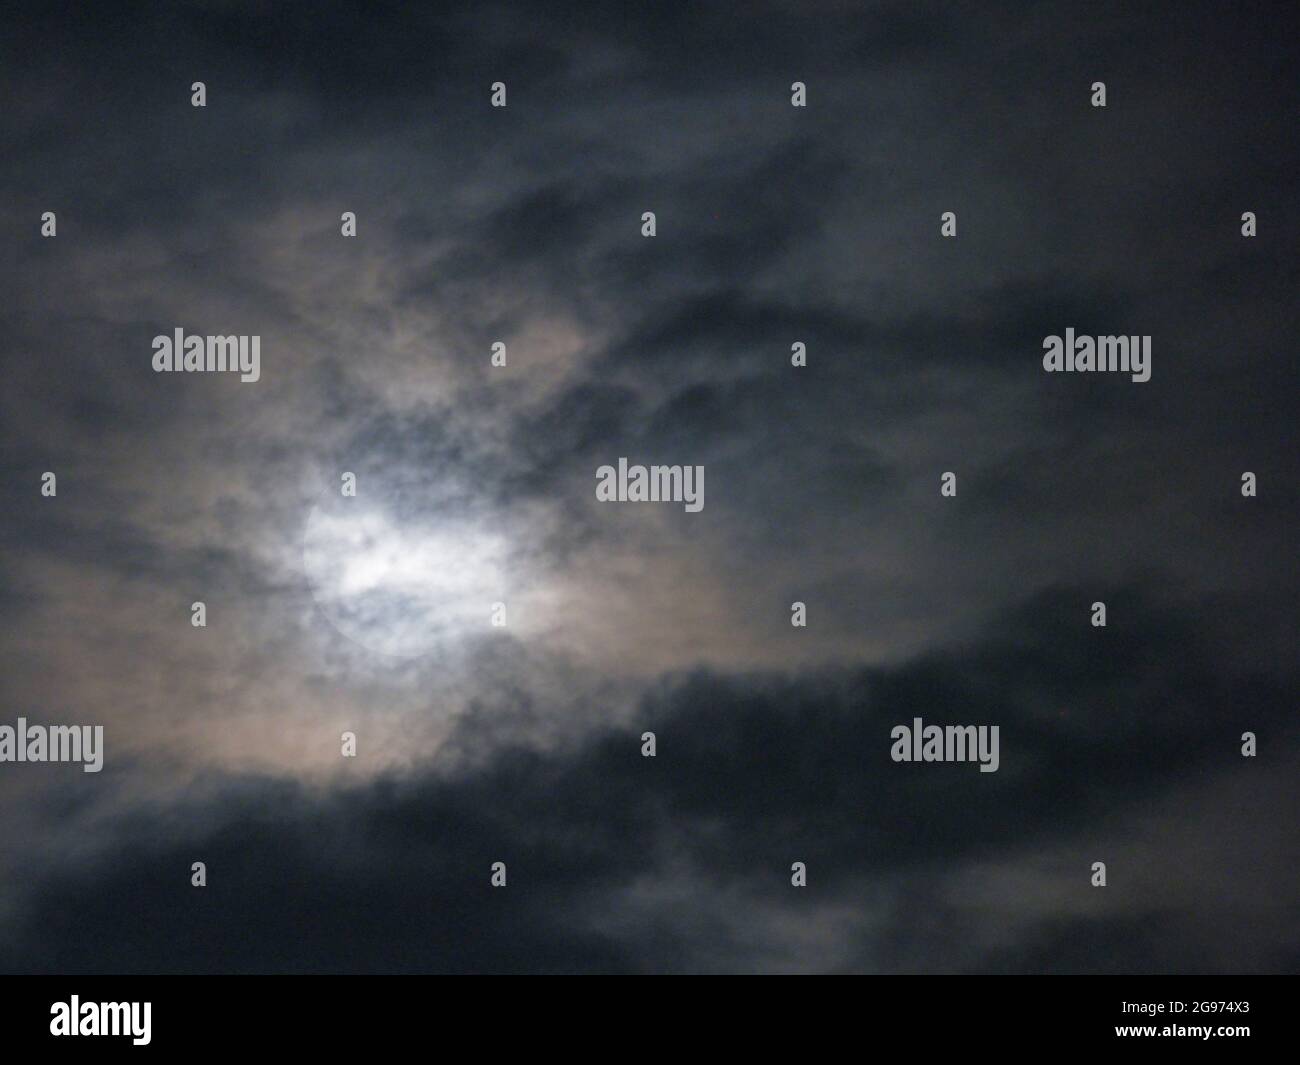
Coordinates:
(1097, 728)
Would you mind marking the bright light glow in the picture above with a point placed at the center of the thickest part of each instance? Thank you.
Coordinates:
(401, 589)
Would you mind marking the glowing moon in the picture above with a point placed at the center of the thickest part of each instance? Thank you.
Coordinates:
(400, 587)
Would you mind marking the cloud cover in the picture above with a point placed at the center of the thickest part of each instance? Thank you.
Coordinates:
(775, 225)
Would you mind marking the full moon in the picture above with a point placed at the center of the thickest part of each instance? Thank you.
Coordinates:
(401, 587)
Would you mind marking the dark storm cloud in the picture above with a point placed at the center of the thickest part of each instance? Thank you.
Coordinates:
(776, 225)
(752, 773)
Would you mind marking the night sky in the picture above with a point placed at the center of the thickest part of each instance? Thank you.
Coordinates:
(476, 483)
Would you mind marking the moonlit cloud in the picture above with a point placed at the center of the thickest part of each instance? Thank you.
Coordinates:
(372, 614)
